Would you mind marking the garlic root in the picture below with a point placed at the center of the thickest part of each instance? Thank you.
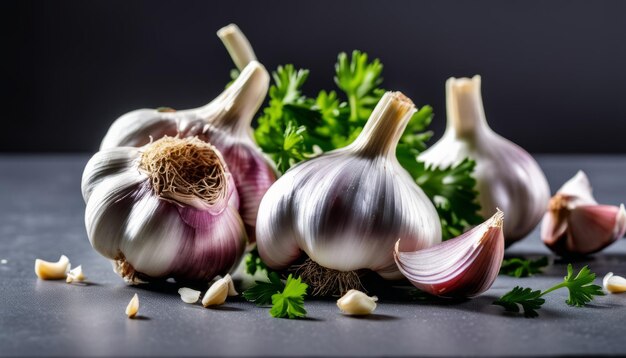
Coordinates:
(46, 270)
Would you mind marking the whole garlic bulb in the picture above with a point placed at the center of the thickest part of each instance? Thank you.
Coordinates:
(575, 224)
(168, 209)
(507, 177)
(225, 123)
(346, 208)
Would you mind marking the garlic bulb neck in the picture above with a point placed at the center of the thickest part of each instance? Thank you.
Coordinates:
(384, 128)
(186, 171)
(234, 109)
(237, 45)
(464, 105)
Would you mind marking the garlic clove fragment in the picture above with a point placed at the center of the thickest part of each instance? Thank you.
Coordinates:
(465, 266)
(225, 123)
(189, 295)
(75, 275)
(46, 270)
(507, 177)
(168, 209)
(613, 283)
(357, 303)
(133, 307)
(576, 225)
(217, 293)
(346, 208)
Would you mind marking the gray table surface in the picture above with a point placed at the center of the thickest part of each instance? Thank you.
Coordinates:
(41, 216)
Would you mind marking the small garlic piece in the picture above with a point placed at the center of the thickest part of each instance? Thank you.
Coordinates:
(217, 293)
(575, 224)
(46, 270)
(231, 286)
(189, 295)
(465, 266)
(133, 307)
(357, 303)
(614, 284)
(75, 274)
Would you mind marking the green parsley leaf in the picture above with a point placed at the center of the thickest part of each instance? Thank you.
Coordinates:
(254, 263)
(529, 300)
(359, 79)
(519, 267)
(290, 302)
(262, 292)
(581, 291)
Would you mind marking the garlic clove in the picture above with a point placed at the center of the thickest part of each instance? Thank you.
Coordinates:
(105, 164)
(75, 275)
(357, 303)
(237, 45)
(465, 266)
(133, 307)
(189, 295)
(46, 270)
(507, 177)
(217, 293)
(614, 284)
(576, 225)
(231, 286)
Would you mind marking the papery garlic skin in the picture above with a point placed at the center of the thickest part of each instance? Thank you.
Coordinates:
(225, 123)
(160, 222)
(507, 177)
(575, 224)
(465, 266)
(345, 209)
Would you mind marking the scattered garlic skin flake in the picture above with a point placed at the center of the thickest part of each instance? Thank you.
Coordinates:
(357, 303)
(217, 293)
(189, 295)
(614, 284)
(46, 270)
(133, 307)
(75, 275)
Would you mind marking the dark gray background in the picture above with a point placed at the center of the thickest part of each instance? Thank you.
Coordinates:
(554, 73)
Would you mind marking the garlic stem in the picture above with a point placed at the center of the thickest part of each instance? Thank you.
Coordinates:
(382, 131)
(237, 45)
(464, 106)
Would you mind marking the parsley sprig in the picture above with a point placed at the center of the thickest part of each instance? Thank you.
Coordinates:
(287, 299)
(294, 127)
(519, 267)
(581, 291)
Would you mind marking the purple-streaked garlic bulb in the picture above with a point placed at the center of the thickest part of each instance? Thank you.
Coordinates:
(465, 266)
(347, 208)
(225, 123)
(507, 177)
(167, 209)
(576, 225)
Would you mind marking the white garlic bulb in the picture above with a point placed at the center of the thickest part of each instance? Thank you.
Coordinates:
(507, 177)
(346, 208)
(575, 224)
(225, 123)
(168, 209)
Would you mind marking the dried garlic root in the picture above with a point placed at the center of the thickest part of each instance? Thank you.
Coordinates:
(357, 303)
(46, 270)
(133, 307)
(614, 284)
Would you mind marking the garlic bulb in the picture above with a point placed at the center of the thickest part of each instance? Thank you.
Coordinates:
(346, 208)
(168, 209)
(507, 176)
(576, 225)
(465, 266)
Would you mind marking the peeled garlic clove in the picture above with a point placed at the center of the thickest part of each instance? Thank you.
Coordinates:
(75, 274)
(171, 211)
(217, 293)
(46, 270)
(345, 209)
(614, 284)
(133, 307)
(189, 295)
(231, 285)
(357, 303)
(507, 177)
(465, 266)
(576, 225)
